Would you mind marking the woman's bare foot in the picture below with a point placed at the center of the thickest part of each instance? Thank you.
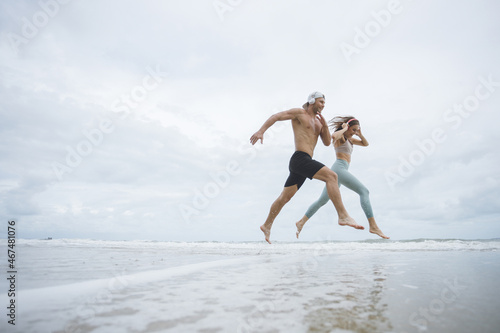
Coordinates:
(351, 223)
(300, 225)
(267, 233)
(374, 229)
(378, 232)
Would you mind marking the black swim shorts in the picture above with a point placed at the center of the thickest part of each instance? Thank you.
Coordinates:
(301, 166)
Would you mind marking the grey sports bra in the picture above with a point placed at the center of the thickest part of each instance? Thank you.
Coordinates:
(345, 148)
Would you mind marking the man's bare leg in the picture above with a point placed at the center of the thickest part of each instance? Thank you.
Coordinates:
(300, 225)
(374, 229)
(332, 187)
(285, 196)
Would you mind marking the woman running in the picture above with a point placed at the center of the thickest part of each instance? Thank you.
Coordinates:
(343, 142)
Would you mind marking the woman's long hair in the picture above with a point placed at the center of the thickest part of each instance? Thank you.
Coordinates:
(336, 123)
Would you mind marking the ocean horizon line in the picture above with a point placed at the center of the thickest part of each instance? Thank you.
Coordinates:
(263, 241)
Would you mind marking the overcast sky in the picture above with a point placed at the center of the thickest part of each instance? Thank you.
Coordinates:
(132, 119)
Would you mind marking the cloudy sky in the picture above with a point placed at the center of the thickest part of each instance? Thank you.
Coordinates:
(132, 119)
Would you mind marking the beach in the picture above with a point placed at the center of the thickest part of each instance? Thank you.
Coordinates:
(69, 285)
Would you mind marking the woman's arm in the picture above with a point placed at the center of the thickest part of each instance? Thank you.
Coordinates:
(339, 135)
(363, 142)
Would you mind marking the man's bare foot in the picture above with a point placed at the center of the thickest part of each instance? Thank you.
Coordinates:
(299, 226)
(377, 231)
(267, 233)
(350, 222)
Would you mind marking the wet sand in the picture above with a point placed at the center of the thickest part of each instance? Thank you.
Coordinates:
(412, 286)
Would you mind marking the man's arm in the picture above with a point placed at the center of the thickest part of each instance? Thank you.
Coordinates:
(325, 132)
(280, 116)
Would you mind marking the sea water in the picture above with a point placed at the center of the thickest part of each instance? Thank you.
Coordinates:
(71, 285)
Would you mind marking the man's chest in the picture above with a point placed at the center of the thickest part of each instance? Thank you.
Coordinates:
(311, 125)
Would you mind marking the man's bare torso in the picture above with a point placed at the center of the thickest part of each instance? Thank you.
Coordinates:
(306, 130)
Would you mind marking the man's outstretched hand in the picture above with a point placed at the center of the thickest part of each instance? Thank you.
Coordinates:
(256, 137)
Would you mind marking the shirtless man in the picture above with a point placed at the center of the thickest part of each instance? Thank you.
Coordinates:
(308, 124)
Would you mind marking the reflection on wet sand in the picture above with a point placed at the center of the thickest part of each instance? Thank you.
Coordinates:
(354, 307)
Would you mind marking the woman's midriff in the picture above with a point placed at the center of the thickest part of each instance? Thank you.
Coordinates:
(345, 157)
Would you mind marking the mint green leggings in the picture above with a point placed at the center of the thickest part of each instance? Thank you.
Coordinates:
(340, 167)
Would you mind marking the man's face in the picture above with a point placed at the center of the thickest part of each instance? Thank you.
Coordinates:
(318, 105)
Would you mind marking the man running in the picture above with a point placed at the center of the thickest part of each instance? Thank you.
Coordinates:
(308, 124)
